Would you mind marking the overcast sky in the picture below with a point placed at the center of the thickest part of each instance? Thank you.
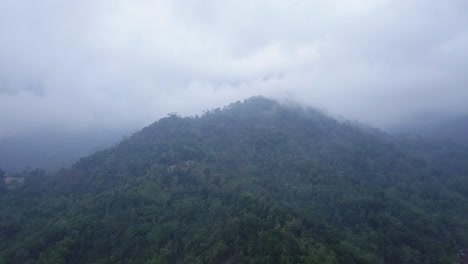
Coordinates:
(78, 64)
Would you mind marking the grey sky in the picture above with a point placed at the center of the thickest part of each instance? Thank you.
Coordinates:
(117, 63)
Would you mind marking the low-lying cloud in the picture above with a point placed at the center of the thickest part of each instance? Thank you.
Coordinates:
(83, 64)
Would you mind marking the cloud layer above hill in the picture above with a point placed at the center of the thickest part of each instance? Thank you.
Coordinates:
(116, 63)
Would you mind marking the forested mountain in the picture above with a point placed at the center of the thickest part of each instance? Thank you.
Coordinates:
(254, 182)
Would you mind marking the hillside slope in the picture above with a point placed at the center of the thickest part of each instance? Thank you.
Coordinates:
(254, 182)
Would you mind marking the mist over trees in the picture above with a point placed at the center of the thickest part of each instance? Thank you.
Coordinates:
(358, 153)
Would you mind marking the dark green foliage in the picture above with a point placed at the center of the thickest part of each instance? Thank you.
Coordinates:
(255, 182)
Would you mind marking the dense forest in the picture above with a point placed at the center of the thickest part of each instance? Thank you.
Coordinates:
(254, 182)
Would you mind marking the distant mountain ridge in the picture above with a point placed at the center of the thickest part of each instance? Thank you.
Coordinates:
(53, 149)
(253, 182)
(439, 127)
(455, 129)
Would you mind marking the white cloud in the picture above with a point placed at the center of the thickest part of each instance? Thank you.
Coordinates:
(87, 63)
